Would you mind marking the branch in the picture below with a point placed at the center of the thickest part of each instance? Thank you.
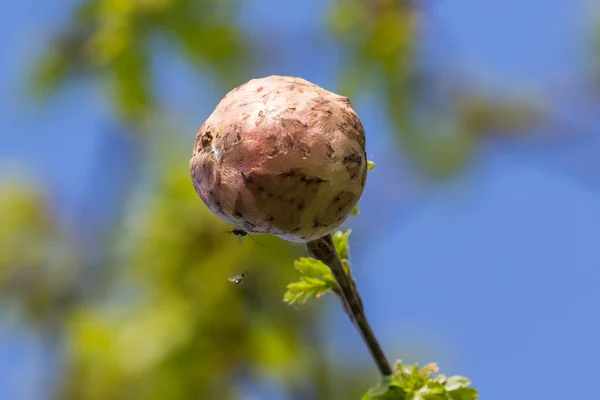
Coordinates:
(323, 250)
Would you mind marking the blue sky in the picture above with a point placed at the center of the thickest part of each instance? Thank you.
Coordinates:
(494, 276)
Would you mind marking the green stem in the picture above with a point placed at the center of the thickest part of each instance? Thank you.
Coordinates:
(323, 249)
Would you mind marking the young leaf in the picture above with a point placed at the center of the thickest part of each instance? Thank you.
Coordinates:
(371, 165)
(387, 389)
(311, 267)
(316, 279)
(422, 384)
(355, 211)
(463, 394)
(340, 241)
(457, 382)
(305, 289)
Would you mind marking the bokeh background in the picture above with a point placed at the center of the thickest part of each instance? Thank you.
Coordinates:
(477, 244)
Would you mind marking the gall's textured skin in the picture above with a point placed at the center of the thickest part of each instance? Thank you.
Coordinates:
(281, 155)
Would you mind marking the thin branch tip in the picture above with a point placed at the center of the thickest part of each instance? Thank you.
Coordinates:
(323, 250)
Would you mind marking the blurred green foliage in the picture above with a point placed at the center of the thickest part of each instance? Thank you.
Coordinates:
(37, 266)
(164, 321)
(158, 318)
(381, 39)
(116, 39)
(170, 325)
(410, 382)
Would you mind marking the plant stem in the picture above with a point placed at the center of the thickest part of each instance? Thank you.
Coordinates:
(323, 249)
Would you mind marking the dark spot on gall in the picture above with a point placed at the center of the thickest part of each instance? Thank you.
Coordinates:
(292, 124)
(352, 163)
(273, 152)
(345, 126)
(291, 172)
(247, 178)
(314, 180)
(345, 100)
(320, 100)
(305, 149)
(261, 117)
(206, 139)
(317, 222)
(271, 142)
(329, 150)
(289, 141)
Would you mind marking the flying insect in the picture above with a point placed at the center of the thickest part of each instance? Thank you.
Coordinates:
(238, 278)
(240, 233)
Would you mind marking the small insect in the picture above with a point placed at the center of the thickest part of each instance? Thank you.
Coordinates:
(240, 233)
(238, 278)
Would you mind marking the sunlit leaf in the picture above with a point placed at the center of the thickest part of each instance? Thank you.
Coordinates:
(463, 394)
(340, 241)
(311, 267)
(115, 40)
(315, 280)
(457, 382)
(414, 383)
(388, 389)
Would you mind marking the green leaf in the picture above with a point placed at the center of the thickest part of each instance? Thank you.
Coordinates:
(311, 267)
(371, 165)
(431, 391)
(423, 384)
(463, 394)
(355, 211)
(315, 281)
(340, 241)
(388, 389)
(305, 289)
(456, 382)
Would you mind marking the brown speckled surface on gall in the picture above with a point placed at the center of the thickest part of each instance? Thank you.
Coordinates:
(281, 155)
